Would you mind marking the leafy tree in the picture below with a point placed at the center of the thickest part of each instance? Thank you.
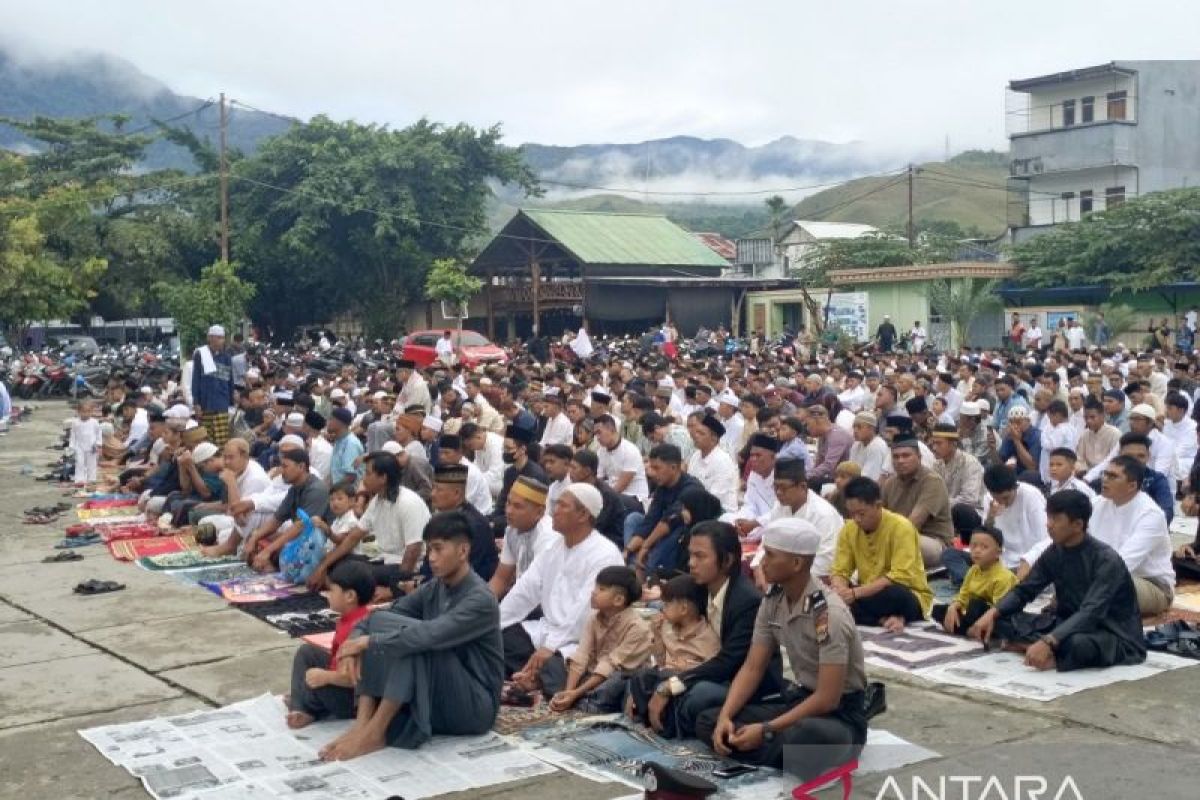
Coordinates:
(336, 217)
(220, 297)
(962, 301)
(777, 211)
(448, 281)
(1140, 244)
(1118, 317)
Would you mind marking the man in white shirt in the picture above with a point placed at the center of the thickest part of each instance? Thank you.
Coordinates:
(794, 499)
(621, 464)
(445, 349)
(581, 345)
(528, 533)
(250, 479)
(727, 412)
(1075, 334)
(759, 499)
(952, 397)
(1130, 522)
(559, 581)
(917, 337)
(450, 451)
(1019, 511)
(1162, 450)
(710, 464)
(487, 451)
(854, 395)
(1033, 335)
(320, 449)
(1180, 430)
(414, 391)
(559, 429)
(869, 450)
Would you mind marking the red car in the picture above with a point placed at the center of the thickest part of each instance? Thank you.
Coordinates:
(472, 349)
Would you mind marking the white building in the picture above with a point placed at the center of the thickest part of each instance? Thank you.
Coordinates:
(802, 236)
(1087, 139)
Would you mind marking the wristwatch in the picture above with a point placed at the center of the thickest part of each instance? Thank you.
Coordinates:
(768, 733)
(1050, 641)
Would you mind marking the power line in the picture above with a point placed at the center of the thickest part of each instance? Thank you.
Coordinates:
(284, 117)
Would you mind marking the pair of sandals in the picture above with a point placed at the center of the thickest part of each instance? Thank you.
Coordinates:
(57, 508)
(61, 556)
(1179, 638)
(79, 541)
(94, 586)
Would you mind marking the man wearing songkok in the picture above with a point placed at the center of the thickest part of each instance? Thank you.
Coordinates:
(529, 532)
(759, 500)
(711, 465)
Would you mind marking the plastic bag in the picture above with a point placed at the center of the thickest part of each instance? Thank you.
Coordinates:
(302, 555)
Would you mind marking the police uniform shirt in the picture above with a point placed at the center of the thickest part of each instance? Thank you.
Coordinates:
(811, 635)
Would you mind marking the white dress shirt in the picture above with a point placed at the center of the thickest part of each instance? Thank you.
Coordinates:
(1182, 436)
(757, 503)
(625, 457)
(718, 474)
(478, 493)
(559, 430)
(396, 525)
(874, 457)
(1023, 524)
(1054, 436)
(825, 518)
(1138, 532)
(320, 455)
(559, 579)
(489, 459)
(732, 440)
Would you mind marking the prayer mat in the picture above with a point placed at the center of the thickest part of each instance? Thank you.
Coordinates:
(297, 615)
(111, 533)
(923, 644)
(186, 559)
(255, 589)
(513, 719)
(133, 549)
(125, 501)
(209, 576)
(101, 514)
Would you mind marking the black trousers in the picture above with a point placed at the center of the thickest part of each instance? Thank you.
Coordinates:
(807, 749)
(518, 649)
(1186, 568)
(965, 520)
(328, 701)
(1078, 651)
(893, 600)
(975, 609)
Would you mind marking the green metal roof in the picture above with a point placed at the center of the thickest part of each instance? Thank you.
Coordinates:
(602, 238)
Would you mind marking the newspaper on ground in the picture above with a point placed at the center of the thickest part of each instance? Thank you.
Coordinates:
(245, 751)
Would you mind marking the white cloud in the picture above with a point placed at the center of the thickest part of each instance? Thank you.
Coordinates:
(901, 75)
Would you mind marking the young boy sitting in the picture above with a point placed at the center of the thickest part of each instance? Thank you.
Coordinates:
(318, 688)
(341, 508)
(1062, 472)
(985, 583)
(615, 642)
(682, 636)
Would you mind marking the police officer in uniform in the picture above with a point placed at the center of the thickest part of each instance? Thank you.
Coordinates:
(820, 722)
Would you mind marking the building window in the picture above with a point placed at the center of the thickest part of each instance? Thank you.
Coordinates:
(1067, 198)
(1087, 109)
(1116, 105)
(1114, 196)
(1068, 113)
(1085, 202)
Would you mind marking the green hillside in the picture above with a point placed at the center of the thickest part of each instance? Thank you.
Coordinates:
(968, 190)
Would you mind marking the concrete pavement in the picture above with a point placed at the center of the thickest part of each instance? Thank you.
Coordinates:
(69, 662)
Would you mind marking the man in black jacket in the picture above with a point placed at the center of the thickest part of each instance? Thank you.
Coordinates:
(674, 704)
(652, 540)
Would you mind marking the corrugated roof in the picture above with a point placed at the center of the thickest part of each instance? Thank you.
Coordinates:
(602, 238)
(718, 244)
(835, 230)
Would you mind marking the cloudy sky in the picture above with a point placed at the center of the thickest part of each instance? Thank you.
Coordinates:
(896, 73)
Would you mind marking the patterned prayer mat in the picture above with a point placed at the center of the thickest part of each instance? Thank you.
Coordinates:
(133, 549)
(297, 615)
(254, 589)
(514, 719)
(208, 576)
(186, 559)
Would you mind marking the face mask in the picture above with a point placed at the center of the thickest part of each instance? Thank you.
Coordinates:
(509, 458)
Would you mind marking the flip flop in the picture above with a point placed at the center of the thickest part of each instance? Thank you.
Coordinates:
(78, 541)
(98, 587)
(40, 519)
(63, 555)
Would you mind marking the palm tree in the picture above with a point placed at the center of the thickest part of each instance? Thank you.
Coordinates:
(963, 301)
(1119, 319)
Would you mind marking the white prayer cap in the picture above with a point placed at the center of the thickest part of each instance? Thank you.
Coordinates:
(985, 407)
(969, 408)
(294, 420)
(179, 411)
(1143, 410)
(792, 535)
(146, 390)
(728, 398)
(204, 451)
(291, 440)
(380, 395)
(1018, 412)
(337, 394)
(216, 330)
(588, 496)
(191, 423)
(393, 447)
(433, 423)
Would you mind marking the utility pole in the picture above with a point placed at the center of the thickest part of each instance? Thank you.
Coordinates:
(912, 242)
(224, 169)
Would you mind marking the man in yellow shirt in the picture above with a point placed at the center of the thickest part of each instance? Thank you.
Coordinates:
(882, 547)
(985, 583)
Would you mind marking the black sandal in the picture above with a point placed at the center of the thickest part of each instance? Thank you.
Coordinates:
(65, 555)
(98, 587)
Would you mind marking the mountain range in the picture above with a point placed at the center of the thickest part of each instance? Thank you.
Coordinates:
(710, 184)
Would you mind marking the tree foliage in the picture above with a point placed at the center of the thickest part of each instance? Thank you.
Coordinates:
(1145, 242)
(343, 216)
(963, 300)
(1117, 317)
(220, 297)
(448, 280)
